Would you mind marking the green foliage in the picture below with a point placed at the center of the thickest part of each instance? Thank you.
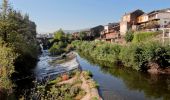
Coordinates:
(82, 35)
(142, 36)
(7, 57)
(137, 56)
(57, 48)
(99, 50)
(87, 74)
(59, 35)
(60, 92)
(60, 43)
(129, 36)
(17, 44)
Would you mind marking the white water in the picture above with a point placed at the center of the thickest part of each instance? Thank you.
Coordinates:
(45, 70)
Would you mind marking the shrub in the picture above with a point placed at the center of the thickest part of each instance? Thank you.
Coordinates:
(56, 49)
(132, 55)
(129, 36)
(138, 56)
(7, 58)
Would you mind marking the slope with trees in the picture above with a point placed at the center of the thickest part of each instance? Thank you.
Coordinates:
(18, 46)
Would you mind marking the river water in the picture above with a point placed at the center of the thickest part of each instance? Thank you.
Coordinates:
(118, 83)
(125, 84)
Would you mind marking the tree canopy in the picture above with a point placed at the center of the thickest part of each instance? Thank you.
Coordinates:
(18, 44)
(59, 35)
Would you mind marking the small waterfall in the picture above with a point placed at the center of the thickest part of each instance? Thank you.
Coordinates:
(44, 52)
(41, 46)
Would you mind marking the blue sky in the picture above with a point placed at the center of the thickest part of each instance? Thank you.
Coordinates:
(50, 15)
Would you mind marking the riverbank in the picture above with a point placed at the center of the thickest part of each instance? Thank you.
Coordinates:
(141, 56)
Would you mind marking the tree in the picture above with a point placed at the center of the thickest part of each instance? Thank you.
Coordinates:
(5, 24)
(129, 36)
(82, 35)
(59, 35)
(7, 57)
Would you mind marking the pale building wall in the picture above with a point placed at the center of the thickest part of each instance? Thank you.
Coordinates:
(164, 18)
(126, 18)
(123, 28)
(106, 28)
(143, 18)
(163, 15)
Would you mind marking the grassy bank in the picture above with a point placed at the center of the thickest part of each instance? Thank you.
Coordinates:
(137, 56)
(144, 36)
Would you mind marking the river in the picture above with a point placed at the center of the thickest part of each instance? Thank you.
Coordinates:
(116, 83)
(126, 84)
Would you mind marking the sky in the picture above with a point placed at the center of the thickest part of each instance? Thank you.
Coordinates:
(51, 15)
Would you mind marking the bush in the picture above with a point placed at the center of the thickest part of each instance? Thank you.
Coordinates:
(56, 49)
(7, 58)
(137, 56)
(129, 36)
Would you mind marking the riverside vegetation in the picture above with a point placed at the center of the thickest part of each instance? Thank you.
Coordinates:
(139, 56)
(68, 87)
(18, 46)
(60, 43)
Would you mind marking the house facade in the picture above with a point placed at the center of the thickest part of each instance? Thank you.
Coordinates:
(154, 19)
(162, 17)
(142, 21)
(129, 21)
(110, 32)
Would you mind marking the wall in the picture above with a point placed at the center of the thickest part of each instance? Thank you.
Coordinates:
(111, 35)
(143, 18)
(123, 27)
(126, 18)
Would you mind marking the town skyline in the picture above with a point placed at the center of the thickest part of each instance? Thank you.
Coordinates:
(81, 14)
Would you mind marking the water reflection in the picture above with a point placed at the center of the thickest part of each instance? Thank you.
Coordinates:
(143, 85)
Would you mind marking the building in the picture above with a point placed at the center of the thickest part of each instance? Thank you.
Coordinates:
(75, 35)
(110, 32)
(154, 20)
(95, 31)
(142, 21)
(129, 21)
(159, 17)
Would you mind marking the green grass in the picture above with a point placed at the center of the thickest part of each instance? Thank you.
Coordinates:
(143, 36)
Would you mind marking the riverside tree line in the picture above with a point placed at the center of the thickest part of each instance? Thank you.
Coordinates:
(18, 46)
(142, 55)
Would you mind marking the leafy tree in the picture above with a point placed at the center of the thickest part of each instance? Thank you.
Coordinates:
(129, 36)
(7, 57)
(82, 35)
(69, 37)
(59, 35)
(17, 44)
